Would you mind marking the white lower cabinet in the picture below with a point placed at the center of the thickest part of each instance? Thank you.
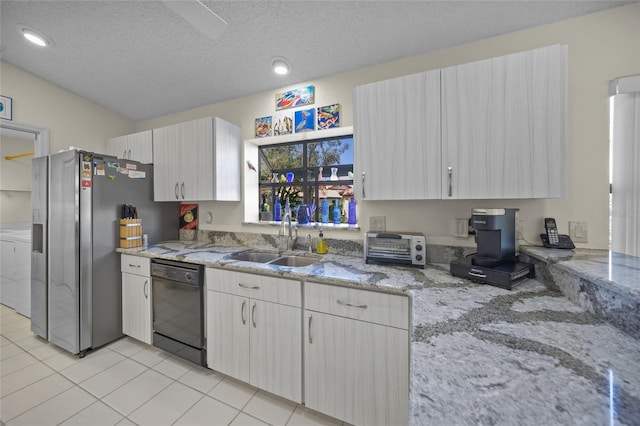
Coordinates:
(356, 346)
(254, 330)
(136, 298)
(15, 275)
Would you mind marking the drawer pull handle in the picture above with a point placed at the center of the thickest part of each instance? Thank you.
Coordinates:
(250, 287)
(134, 266)
(340, 302)
(477, 275)
(310, 339)
(253, 314)
(244, 302)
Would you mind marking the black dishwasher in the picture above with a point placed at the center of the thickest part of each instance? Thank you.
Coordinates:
(178, 309)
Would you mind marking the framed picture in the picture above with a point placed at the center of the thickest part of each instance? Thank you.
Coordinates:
(305, 120)
(263, 127)
(295, 98)
(5, 107)
(329, 116)
(283, 123)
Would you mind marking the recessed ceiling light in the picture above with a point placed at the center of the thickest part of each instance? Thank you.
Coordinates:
(36, 37)
(280, 66)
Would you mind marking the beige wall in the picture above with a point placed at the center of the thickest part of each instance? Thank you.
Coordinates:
(71, 120)
(602, 46)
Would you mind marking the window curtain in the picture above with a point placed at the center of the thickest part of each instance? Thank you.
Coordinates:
(625, 176)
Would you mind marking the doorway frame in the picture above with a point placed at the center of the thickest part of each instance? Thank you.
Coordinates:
(41, 134)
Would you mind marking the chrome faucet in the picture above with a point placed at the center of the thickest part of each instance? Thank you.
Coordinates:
(286, 232)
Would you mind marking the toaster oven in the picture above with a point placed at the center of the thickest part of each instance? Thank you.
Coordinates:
(400, 248)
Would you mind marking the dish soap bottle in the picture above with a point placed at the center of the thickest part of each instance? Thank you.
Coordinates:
(277, 210)
(352, 212)
(321, 248)
(336, 213)
(324, 211)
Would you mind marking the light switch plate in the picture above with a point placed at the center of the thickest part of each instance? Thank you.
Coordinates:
(378, 223)
(578, 231)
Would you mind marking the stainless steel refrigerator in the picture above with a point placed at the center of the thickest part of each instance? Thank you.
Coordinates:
(77, 200)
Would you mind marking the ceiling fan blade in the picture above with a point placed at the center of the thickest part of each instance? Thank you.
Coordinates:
(200, 16)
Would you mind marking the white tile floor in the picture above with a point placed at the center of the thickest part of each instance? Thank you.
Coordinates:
(125, 383)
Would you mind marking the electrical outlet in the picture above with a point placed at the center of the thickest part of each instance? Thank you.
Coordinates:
(378, 223)
(578, 231)
(462, 228)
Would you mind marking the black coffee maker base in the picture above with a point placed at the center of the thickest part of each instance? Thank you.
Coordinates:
(506, 275)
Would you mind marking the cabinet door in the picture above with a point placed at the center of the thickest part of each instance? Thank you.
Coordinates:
(504, 126)
(118, 147)
(197, 166)
(166, 165)
(397, 138)
(228, 340)
(140, 146)
(22, 284)
(356, 371)
(8, 273)
(276, 350)
(136, 307)
(227, 179)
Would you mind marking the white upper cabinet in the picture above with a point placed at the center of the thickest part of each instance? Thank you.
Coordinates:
(504, 131)
(137, 147)
(397, 138)
(495, 128)
(197, 160)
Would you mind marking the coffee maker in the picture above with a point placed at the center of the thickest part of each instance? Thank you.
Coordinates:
(495, 236)
(496, 260)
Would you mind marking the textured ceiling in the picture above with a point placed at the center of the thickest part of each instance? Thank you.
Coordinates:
(141, 60)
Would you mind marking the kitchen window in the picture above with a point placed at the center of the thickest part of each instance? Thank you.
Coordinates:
(306, 173)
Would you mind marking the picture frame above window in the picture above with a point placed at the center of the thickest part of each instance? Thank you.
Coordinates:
(295, 98)
(6, 108)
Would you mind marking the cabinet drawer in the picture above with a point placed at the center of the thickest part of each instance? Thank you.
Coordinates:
(271, 289)
(371, 306)
(135, 265)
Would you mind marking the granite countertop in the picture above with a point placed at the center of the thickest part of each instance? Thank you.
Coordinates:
(482, 354)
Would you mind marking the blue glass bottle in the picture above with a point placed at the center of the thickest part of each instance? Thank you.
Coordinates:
(324, 211)
(352, 212)
(277, 210)
(336, 212)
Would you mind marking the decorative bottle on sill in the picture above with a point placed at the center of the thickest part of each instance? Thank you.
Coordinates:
(277, 210)
(336, 212)
(324, 211)
(352, 212)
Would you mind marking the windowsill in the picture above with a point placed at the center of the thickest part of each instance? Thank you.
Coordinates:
(312, 225)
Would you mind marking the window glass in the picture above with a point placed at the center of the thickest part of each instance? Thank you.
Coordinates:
(306, 173)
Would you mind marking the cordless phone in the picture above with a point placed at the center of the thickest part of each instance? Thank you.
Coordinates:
(552, 239)
(552, 230)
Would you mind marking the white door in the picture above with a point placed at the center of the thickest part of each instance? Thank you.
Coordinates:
(356, 371)
(136, 307)
(140, 146)
(276, 350)
(167, 164)
(504, 126)
(228, 328)
(397, 138)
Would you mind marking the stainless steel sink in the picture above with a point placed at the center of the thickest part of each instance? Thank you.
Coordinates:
(294, 261)
(254, 256)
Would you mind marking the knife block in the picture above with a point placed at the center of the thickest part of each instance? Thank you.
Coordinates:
(130, 233)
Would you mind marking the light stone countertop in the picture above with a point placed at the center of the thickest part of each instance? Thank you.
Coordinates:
(482, 355)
